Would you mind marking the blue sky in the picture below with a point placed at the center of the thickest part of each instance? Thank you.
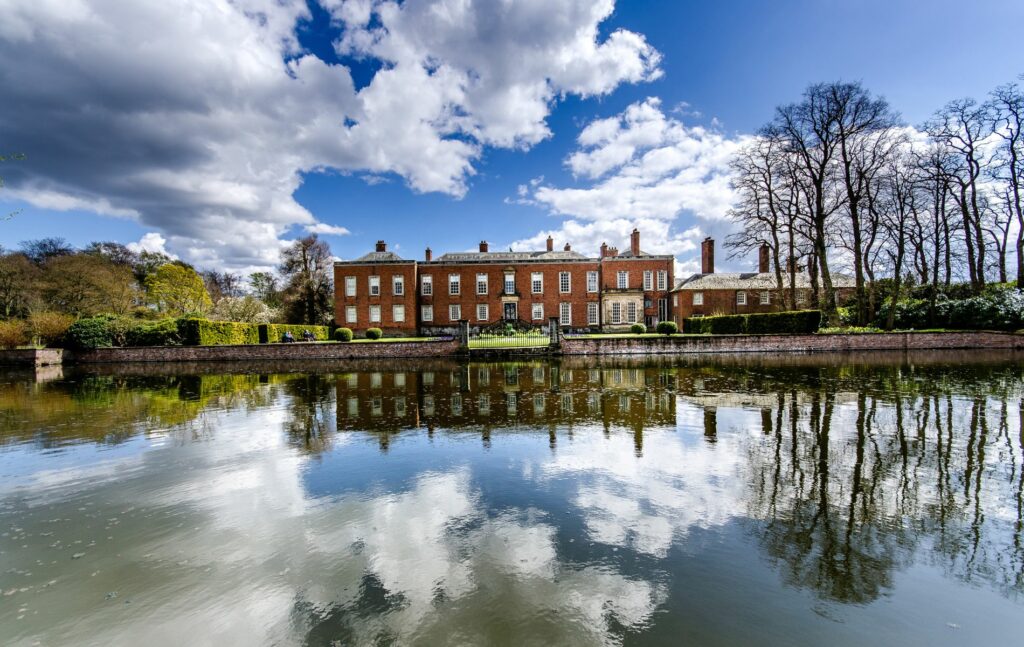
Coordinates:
(717, 67)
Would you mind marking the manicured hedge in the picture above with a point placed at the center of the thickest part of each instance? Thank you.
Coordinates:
(343, 334)
(271, 333)
(374, 333)
(157, 333)
(638, 329)
(667, 327)
(794, 322)
(203, 332)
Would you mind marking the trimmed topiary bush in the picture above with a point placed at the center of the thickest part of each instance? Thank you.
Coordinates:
(638, 329)
(374, 333)
(202, 332)
(343, 334)
(667, 327)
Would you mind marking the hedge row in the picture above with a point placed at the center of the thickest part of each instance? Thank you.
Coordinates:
(996, 309)
(794, 322)
(203, 332)
(270, 333)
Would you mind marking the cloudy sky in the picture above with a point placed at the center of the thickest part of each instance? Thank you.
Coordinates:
(217, 130)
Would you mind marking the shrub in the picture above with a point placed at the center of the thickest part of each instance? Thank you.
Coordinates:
(49, 327)
(343, 334)
(638, 329)
(202, 332)
(158, 333)
(997, 308)
(374, 333)
(90, 332)
(792, 322)
(720, 325)
(13, 333)
(270, 333)
(667, 327)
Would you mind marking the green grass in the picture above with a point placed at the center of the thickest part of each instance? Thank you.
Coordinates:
(527, 341)
(385, 340)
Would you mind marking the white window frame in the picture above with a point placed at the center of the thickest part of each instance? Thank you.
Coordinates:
(374, 314)
(510, 283)
(592, 313)
(564, 283)
(481, 284)
(622, 280)
(427, 285)
(537, 283)
(698, 298)
(616, 313)
(766, 298)
(398, 285)
(374, 286)
(631, 312)
(455, 312)
(537, 311)
(427, 313)
(662, 280)
(565, 314)
(351, 314)
(454, 284)
(741, 298)
(482, 313)
(350, 286)
(648, 280)
(398, 313)
(591, 281)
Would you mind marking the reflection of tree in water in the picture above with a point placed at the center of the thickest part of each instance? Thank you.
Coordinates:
(847, 494)
(311, 411)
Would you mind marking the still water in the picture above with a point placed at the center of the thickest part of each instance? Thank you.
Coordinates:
(814, 500)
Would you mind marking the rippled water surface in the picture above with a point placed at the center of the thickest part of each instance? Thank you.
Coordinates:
(793, 501)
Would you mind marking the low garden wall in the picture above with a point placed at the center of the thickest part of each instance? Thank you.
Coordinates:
(278, 352)
(790, 343)
(31, 357)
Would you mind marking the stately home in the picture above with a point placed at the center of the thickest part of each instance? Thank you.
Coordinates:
(407, 297)
(711, 293)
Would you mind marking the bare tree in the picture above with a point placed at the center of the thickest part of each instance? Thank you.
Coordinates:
(1007, 109)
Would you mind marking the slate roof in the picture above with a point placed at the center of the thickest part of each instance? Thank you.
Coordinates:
(476, 257)
(753, 281)
(379, 257)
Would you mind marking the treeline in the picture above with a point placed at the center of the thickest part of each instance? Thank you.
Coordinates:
(46, 285)
(838, 180)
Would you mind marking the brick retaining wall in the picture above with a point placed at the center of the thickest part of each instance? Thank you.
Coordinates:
(790, 343)
(260, 352)
(31, 357)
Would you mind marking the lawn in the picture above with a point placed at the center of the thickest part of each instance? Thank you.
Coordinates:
(515, 341)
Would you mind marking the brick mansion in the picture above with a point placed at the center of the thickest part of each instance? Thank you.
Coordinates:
(609, 293)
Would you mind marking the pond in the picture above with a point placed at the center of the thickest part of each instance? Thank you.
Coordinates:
(800, 500)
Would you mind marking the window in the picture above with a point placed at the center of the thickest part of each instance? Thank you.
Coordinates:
(426, 285)
(565, 314)
(455, 312)
(350, 314)
(741, 298)
(538, 311)
(766, 297)
(622, 280)
(427, 313)
(510, 283)
(675, 300)
(591, 281)
(616, 313)
(631, 312)
(454, 284)
(374, 314)
(398, 285)
(662, 280)
(648, 280)
(350, 286)
(563, 282)
(537, 283)
(374, 286)
(481, 284)
(698, 298)
(481, 312)
(398, 313)
(592, 314)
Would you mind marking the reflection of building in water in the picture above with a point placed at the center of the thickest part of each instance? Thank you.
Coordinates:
(507, 396)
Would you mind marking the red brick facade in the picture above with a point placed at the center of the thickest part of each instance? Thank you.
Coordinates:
(428, 296)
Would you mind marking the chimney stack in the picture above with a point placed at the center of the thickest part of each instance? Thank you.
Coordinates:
(707, 256)
(634, 242)
(568, 247)
(429, 255)
(762, 258)
(382, 246)
(604, 250)
(483, 245)
(551, 243)
(613, 251)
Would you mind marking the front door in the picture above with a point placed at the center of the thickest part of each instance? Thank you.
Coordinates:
(511, 311)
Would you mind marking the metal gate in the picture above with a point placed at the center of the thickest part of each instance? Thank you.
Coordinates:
(509, 333)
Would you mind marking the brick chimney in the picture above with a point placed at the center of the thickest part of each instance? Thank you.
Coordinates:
(604, 250)
(568, 247)
(634, 242)
(483, 245)
(429, 255)
(551, 244)
(382, 246)
(707, 256)
(613, 251)
(762, 258)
